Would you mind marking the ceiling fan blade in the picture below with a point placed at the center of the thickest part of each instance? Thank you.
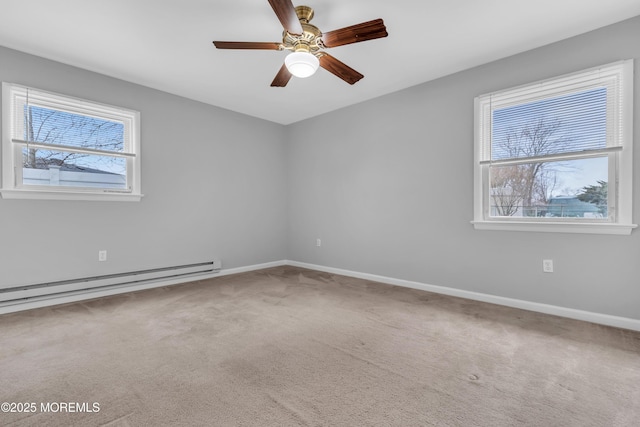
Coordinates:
(282, 78)
(286, 13)
(248, 45)
(339, 69)
(356, 33)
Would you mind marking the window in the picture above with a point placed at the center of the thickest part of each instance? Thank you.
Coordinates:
(556, 155)
(58, 147)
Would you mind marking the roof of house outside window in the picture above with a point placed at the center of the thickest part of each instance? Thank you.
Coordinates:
(570, 206)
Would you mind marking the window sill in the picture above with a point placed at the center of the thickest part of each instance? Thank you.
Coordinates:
(71, 195)
(555, 227)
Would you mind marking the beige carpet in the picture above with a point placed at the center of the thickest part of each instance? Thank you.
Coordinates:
(288, 347)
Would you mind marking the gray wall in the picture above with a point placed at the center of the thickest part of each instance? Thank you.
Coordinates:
(214, 185)
(388, 187)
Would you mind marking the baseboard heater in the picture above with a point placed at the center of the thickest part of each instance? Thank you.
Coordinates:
(64, 288)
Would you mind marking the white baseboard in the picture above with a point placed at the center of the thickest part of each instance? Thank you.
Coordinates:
(254, 267)
(602, 319)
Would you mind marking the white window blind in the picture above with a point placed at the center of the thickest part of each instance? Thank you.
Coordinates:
(586, 105)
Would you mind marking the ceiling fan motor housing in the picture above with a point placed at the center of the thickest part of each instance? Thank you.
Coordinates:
(310, 40)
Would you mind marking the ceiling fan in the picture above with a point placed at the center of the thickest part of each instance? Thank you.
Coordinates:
(307, 43)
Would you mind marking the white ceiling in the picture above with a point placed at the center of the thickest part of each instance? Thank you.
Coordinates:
(167, 44)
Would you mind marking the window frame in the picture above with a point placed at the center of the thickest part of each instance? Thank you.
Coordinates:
(12, 186)
(619, 149)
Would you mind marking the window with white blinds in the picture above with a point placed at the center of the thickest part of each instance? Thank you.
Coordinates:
(59, 147)
(556, 155)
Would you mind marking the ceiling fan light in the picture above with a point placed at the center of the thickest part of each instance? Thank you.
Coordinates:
(301, 64)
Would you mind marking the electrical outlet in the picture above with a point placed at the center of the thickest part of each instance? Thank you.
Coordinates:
(102, 255)
(318, 242)
(547, 265)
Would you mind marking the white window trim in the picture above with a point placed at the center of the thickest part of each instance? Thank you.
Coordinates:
(11, 186)
(622, 155)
